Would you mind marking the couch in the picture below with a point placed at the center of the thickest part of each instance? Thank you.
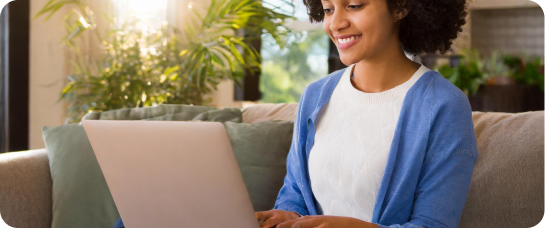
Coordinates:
(506, 189)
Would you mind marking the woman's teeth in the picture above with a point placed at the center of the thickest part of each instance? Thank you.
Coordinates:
(347, 40)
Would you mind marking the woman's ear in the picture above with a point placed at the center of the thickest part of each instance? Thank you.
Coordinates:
(400, 14)
(401, 10)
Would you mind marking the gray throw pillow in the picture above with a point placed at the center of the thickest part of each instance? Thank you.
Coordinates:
(261, 150)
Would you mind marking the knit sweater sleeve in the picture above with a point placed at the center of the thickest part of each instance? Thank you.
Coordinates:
(290, 197)
(446, 173)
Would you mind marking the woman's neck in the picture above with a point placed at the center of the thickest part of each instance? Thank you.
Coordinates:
(384, 72)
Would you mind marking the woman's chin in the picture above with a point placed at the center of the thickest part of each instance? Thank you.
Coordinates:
(348, 60)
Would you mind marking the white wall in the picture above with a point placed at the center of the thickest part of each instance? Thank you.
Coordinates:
(224, 96)
(47, 73)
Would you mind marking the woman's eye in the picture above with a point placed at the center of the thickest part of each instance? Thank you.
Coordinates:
(328, 11)
(355, 6)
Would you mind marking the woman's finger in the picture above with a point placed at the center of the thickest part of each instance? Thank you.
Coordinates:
(261, 218)
(263, 215)
(259, 215)
(286, 224)
(291, 223)
(271, 222)
(261, 221)
(308, 223)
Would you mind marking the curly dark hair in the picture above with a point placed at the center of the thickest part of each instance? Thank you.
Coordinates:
(429, 26)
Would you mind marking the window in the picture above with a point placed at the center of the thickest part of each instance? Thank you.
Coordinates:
(286, 72)
(149, 14)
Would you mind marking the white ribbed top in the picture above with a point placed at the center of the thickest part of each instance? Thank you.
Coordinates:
(384, 96)
(354, 131)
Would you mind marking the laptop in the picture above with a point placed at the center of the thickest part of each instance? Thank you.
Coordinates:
(171, 174)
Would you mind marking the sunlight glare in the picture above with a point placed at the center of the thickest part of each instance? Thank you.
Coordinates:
(84, 22)
(149, 13)
(146, 8)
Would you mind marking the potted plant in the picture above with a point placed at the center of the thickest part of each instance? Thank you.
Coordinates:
(137, 68)
(468, 75)
(525, 70)
(500, 83)
(498, 73)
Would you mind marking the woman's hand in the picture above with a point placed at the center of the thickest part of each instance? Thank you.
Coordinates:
(326, 221)
(271, 218)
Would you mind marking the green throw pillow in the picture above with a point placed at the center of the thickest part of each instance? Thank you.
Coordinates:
(261, 150)
(188, 111)
(81, 197)
(220, 115)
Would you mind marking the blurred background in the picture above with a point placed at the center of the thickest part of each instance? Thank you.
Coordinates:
(62, 59)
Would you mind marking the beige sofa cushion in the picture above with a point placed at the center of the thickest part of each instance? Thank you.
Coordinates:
(25, 189)
(265, 112)
(507, 185)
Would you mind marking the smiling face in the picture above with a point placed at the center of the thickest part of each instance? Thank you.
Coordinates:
(360, 28)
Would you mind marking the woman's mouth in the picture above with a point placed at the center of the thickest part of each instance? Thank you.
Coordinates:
(347, 41)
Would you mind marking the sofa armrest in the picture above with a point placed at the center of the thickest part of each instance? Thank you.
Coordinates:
(25, 189)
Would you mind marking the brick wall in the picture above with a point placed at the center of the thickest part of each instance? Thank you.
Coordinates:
(513, 31)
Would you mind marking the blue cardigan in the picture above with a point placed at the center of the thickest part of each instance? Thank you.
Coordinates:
(429, 166)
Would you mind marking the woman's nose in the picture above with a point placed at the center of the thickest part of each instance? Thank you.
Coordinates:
(338, 21)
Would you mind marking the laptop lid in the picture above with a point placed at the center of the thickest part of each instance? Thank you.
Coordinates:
(171, 174)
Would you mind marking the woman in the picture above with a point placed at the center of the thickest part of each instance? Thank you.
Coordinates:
(385, 142)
